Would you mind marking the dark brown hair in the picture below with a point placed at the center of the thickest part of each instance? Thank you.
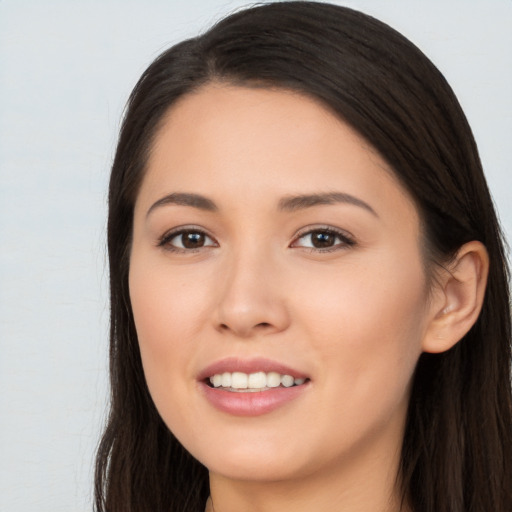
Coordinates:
(457, 449)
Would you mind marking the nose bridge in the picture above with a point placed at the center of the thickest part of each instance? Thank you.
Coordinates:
(250, 298)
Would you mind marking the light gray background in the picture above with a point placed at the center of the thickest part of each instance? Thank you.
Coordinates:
(66, 69)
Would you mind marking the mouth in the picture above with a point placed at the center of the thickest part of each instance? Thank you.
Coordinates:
(251, 387)
(240, 382)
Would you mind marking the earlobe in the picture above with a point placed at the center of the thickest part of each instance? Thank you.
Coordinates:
(458, 298)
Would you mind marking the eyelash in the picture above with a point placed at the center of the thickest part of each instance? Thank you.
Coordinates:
(164, 240)
(346, 239)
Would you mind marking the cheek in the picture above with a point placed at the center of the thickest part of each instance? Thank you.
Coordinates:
(367, 323)
(167, 312)
(167, 305)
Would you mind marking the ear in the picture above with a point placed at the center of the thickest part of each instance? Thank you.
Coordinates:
(457, 298)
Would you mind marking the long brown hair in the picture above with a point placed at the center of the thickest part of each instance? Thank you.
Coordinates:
(457, 450)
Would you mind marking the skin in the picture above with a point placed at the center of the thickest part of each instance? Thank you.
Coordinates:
(354, 319)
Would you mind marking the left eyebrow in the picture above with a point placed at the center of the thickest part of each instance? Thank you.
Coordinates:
(185, 199)
(294, 203)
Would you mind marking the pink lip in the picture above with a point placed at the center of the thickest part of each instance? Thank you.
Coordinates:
(250, 403)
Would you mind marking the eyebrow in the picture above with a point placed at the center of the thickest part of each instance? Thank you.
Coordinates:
(287, 204)
(294, 203)
(185, 199)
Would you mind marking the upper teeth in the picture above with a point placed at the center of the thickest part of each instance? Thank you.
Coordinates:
(258, 380)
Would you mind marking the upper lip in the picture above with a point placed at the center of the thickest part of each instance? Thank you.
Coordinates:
(259, 364)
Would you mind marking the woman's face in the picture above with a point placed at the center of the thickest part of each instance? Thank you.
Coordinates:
(271, 240)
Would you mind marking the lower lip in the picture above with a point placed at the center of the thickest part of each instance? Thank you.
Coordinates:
(251, 403)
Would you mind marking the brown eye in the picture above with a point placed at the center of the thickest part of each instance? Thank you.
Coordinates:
(192, 240)
(184, 240)
(324, 240)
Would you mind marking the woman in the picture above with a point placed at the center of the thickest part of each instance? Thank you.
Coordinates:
(308, 285)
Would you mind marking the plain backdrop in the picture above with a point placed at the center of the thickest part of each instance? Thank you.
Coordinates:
(66, 69)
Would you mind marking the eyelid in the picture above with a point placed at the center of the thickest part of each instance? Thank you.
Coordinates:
(164, 240)
(346, 237)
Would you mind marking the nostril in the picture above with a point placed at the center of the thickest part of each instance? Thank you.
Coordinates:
(244, 329)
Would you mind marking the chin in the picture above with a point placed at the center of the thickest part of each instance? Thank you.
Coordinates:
(256, 469)
(255, 460)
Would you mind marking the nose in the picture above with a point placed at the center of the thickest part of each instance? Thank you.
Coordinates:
(251, 299)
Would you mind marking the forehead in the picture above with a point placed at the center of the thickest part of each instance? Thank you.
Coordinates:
(222, 138)
(223, 114)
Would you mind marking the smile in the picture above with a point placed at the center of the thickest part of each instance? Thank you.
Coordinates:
(251, 387)
(253, 382)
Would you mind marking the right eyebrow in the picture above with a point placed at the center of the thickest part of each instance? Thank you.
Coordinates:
(185, 199)
(294, 203)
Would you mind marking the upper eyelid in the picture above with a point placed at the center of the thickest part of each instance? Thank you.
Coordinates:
(307, 230)
(301, 232)
(185, 229)
(311, 229)
(179, 230)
